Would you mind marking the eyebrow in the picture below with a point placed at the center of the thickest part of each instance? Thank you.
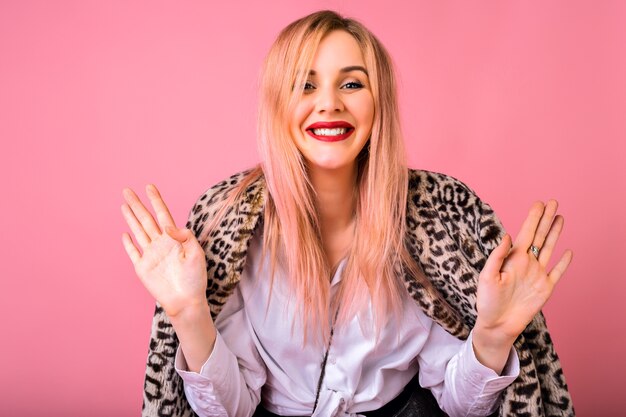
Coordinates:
(346, 69)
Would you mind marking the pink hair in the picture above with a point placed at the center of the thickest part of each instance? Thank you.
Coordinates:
(378, 258)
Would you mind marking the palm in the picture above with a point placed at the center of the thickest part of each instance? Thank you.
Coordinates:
(514, 285)
(172, 266)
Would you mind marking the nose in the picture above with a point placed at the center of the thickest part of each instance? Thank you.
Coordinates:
(329, 100)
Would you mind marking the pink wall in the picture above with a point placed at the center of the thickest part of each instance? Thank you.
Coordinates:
(521, 100)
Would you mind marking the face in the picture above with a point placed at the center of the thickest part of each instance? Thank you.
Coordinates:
(333, 120)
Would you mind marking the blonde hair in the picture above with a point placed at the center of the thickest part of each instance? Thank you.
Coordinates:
(378, 258)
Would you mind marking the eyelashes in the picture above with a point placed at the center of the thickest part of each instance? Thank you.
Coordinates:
(355, 85)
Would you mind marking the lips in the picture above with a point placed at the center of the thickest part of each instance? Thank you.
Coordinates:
(331, 125)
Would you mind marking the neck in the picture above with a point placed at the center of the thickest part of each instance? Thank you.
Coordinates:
(335, 196)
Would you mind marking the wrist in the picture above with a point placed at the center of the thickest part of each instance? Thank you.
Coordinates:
(493, 335)
(190, 313)
(491, 347)
(196, 333)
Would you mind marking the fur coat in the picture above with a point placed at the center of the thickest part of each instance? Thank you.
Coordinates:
(450, 232)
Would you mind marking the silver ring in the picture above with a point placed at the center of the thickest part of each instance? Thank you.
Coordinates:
(535, 250)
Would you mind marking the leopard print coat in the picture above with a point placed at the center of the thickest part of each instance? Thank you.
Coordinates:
(450, 233)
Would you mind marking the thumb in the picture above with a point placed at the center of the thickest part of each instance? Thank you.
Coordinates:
(497, 257)
(183, 235)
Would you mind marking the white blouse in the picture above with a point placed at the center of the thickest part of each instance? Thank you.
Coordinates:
(258, 355)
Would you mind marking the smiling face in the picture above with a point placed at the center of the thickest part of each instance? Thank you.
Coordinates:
(333, 120)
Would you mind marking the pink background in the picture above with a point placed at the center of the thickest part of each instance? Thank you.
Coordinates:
(521, 100)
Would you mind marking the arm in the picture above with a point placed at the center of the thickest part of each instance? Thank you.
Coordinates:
(196, 334)
(541, 384)
(171, 265)
(229, 383)
(461, 384)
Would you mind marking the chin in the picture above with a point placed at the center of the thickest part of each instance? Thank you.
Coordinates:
(329, 165)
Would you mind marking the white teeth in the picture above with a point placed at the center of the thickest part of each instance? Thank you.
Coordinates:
(330, 132)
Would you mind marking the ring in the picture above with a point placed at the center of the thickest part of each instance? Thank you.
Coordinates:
(535, 250)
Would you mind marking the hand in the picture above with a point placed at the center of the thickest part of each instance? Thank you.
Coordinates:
(515, 284)
(171, 264)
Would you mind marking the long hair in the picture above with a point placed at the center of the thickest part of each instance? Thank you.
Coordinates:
(378, 258)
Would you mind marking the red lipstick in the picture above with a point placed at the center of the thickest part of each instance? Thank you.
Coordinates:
(331, 125)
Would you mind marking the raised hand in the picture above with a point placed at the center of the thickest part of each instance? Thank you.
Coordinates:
(169, 261)
(515, 283)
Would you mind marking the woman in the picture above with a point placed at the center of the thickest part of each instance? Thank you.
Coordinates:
(339, 280)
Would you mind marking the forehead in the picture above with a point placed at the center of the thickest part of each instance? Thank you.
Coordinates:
(336, 50)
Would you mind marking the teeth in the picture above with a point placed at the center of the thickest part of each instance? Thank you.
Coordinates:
(330, 132)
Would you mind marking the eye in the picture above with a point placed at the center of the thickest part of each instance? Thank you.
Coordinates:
(354, 85)
(304, 86)
(307, 87)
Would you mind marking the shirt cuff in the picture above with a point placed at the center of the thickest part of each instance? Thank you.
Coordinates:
(482, 373)
(212, 371)
(488, 383)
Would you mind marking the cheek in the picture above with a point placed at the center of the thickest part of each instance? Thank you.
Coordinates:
(299, 116)
(367, 119)
(365, 109)
(371, 112)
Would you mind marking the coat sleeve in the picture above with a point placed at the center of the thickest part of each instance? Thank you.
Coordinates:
(163, 388)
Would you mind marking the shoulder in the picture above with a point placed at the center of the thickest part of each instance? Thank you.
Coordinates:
(439, 189)
(435, 199)
(222, 189)
(242, 189)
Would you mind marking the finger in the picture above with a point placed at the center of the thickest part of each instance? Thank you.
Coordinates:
(130, 248)
(497, 257)
(142, 214)
(527, 232)
(142, 238)
(560, 268)
(545, 224)
(553, 236)
(162, 212)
